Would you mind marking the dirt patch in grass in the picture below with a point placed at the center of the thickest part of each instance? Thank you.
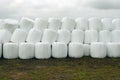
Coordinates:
(60, 69)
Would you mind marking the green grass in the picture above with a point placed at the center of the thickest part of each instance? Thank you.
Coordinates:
(60, 69)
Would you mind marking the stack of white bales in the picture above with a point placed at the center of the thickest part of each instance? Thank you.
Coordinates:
(60, 38)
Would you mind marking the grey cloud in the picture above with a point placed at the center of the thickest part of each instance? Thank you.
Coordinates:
(102, 4)
(45, 9)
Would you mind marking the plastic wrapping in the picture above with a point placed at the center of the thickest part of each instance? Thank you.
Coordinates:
(10, 50)
(91, 36)
(19, 35)
(34, 35)
(59, 50)
(98, 50)
(49, 36)
(68, 24)
(105, 36)
(42, 50)
(1, 23)
(77, 36)
(113, 49)
(86, 49)
(54, 23)
(41, 24)
(26, 50)
(82, 24)
(64, 36)
(95, 24)
(116, 36)
(0, 50)
(107, 24)
(10, 25)
(76, 50)
(5, 36)
(116, 24)
(26, 24)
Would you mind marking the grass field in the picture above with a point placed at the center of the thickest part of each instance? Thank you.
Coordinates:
(60, 69)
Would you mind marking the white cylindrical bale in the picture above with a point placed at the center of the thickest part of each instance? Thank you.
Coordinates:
(1, 23)
(42, 50)
(26, 50)
(49, 36)
(19, 35)
(54, 23)
(34, 36)
(113, 49)
(76, 50)
(10, 25)
(82, 24)
(77, 36)
(86, 49)
(107, 24)
(59, 50)
(116, 24)
(98, 50)
(68, 24)
(64, 36)
(1, 50)
(26, 24)
(41, 24)
(105, 36)
(95, 24)
(91, 36)
(10, 50)
(5, 36)
(116, 36)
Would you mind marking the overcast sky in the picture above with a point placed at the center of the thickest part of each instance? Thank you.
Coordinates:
(58, 8)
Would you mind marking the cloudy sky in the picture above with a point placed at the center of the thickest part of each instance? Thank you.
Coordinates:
(59, 8)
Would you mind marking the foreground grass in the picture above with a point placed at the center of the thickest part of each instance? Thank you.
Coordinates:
(60, 69)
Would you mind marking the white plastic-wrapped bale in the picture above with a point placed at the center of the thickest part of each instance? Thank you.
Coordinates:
(113, 50)
(10, 50)
(82, 23)
(116, 36)
(107, 24)
(77, 36)
(64, 36)
(19, 35)
(34, 36)
(26, 24)
(91, 36)
(105, 36)
(98, 50)
(86, 49)
(41, 24)
(10, 25)
(0, 50)
(54, 23)
(26, 50)
(116, 24)
(59, 50)
(49, 36)
(68, 24)
(42, 50)
(95, 24)
(1, 23)
(76, 50)
(5, 36)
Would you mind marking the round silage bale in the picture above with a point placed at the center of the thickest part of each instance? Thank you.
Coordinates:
(98, 50)
(42, 50)
(59, 50)
(76, 50)
(26, 50)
